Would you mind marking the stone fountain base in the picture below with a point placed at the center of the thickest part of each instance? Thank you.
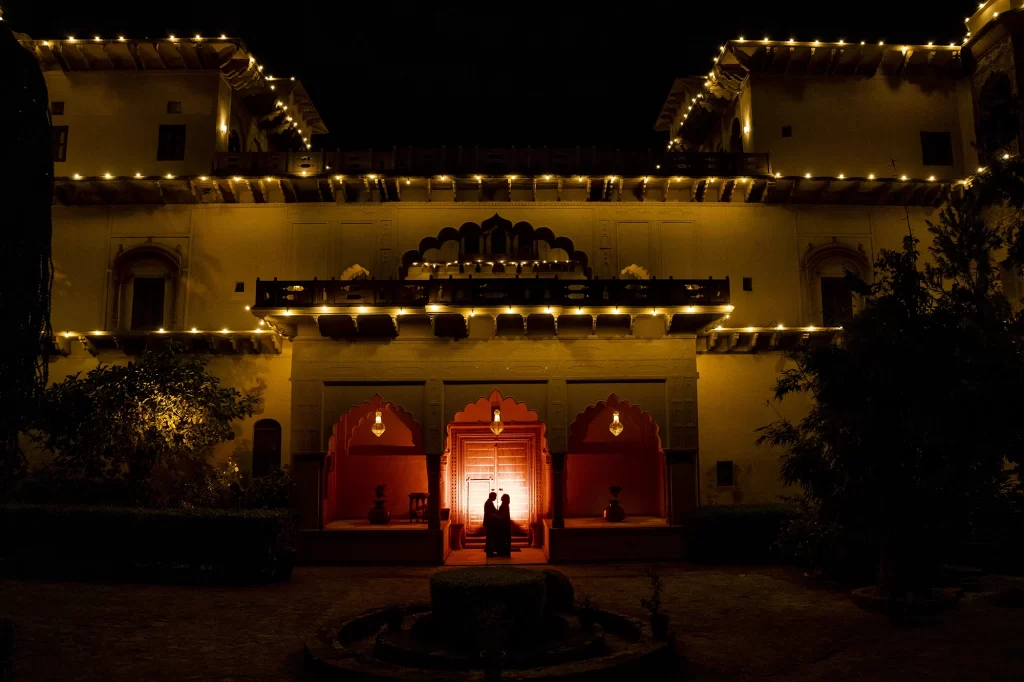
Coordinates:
(402, 643)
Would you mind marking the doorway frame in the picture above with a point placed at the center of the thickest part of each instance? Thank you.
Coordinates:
(459, 434)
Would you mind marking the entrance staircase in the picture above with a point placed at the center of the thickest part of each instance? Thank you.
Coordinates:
(478, 542)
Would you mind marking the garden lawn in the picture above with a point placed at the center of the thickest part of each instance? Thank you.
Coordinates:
(733, 623)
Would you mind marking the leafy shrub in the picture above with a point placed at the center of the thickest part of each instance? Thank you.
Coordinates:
(736, 533)
(808, 539)
(153, 421)
(80, 540)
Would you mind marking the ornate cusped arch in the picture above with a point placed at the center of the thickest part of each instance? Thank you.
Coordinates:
(855, 260)
(831, 259)
(522, 236)
(353, 434)
(589, 433)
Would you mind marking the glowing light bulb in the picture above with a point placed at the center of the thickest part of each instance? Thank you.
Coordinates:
(903, 178)
(71, 39)
(931, 178)
(107, 176)
(76, 176)
(223, 127)
(223, 37)
(807, 175)
(202, 178)
(121, 38)
(871, 176)
(97, 39)
(841, 176)
(172, 37)
(194, 330)
(169, 176)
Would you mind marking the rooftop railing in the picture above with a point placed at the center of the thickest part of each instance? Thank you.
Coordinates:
(491, 162)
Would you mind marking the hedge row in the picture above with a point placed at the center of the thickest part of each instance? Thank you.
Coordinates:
(744, 533)
(131, 542)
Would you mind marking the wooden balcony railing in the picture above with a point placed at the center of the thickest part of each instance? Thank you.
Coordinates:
(296, 295)
(494, 162)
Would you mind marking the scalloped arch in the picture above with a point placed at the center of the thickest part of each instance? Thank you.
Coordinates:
(589, 432)
(522, 231)
(352, 435)
(481, 411)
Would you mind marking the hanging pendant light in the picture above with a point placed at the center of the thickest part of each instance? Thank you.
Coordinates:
(496, 426)
(616, 426)
(378, 426)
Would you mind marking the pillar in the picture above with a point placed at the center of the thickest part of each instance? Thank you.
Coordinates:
(682, 476)
(434, 490)
(558, 490)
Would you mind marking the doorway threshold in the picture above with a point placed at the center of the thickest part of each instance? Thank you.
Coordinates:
(527, 556)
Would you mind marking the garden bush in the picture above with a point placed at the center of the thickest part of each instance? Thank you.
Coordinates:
(736, 533)
(50, 540)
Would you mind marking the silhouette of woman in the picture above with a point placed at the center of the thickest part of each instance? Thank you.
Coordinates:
(503, 523)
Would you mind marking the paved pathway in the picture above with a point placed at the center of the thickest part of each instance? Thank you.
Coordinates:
(752, 624)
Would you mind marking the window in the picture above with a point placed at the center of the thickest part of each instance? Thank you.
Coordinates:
(787, 131)
(173, 107)
(748, 284)
(171, 143)
(147, 303)
(239, 287)
(57, 108)
(723, 473)
(836, 301)
(266, 447)
(59, 139)
(937, 149)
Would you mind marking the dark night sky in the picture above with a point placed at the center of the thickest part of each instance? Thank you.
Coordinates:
(498, 73)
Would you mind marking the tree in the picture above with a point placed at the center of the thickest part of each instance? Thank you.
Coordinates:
(26, 191)
(153, 421)
(919, 408)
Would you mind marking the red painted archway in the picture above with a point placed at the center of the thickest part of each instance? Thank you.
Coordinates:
(358, 460)
(596, 459)
(514, 461)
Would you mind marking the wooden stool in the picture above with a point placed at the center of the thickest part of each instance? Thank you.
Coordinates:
(418, 507)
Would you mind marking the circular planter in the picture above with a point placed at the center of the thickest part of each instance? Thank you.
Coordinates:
(876, 600)
(469, 603)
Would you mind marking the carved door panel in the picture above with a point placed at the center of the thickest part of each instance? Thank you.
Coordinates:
(477, 490)
(513, 479)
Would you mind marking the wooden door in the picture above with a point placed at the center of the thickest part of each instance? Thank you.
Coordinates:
(513, 478)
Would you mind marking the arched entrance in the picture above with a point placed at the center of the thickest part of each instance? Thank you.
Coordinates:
(497, 444)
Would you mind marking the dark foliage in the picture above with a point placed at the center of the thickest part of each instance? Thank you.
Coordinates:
(736, 533)
(152, 423)
(135, 543)
(917, 413)
(26, 271)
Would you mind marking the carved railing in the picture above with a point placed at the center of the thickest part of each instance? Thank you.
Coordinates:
(493, 162)
(486, 293)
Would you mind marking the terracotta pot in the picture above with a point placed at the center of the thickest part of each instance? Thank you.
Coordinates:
(614, 512)
(379, 515)
(659, 626)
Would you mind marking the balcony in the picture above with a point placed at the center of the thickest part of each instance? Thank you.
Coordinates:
(459, 162)
(500, 306)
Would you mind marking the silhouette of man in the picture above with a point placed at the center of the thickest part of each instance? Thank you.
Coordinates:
(490, 513)
(503, 524)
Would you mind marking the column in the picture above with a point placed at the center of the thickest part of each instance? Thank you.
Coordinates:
(558, 489)
(434, 490)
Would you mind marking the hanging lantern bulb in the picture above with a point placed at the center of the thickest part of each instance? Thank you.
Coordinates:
(496, 426)
(616, 426)
(378, 425)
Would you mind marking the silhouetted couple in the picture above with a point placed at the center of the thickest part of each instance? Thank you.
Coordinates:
(498, 526)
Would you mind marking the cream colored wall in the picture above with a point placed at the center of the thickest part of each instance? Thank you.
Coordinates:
(315, 379)
(113, 120)
(265, 376)
(854, 126)
(223, 244)
(732, 391)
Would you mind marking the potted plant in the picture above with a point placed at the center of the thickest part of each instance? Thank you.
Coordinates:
(614, 512)
(659, 620)
(379, 515)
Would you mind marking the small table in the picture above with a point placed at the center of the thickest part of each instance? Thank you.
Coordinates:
(418, 507)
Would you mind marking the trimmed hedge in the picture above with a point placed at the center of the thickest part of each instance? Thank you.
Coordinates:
(742, 533)
(43, 540)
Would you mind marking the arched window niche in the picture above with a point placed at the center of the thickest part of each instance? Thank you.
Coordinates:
(828, 299)
(145, 285)
(266, 446)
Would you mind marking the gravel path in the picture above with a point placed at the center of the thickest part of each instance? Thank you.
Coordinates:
(755, 624)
